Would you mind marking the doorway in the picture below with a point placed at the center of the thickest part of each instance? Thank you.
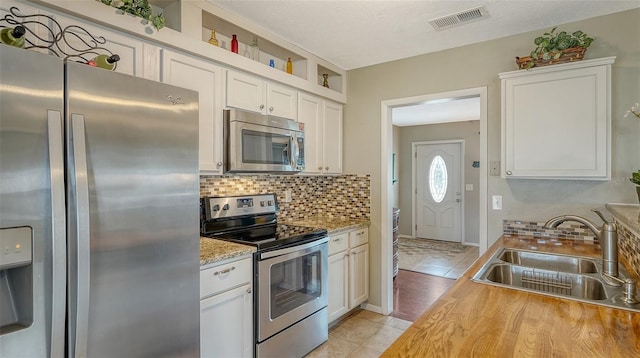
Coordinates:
(438, 201)
(387, 189)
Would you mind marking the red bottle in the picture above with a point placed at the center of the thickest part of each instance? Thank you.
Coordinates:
(234, 44)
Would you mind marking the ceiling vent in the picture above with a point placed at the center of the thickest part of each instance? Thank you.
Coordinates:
(460, 18)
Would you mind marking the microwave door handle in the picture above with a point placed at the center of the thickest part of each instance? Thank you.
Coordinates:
(295, 151)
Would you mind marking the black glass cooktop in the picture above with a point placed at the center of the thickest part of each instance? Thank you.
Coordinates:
(272, 236)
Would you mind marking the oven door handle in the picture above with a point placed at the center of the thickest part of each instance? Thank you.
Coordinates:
(288, 250)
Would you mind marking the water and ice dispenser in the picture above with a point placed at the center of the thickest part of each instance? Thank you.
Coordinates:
(16, 279)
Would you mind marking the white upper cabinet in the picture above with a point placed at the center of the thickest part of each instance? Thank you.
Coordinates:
(206, 78)
(257, 95)
(556, 121)
(323, 134)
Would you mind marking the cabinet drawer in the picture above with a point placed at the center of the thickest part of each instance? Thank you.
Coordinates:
(358, 237)
(218, 279)
(338, 243)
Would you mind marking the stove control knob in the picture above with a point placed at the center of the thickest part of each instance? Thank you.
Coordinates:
(270, 202)
(262, 203)
(216, 207)
(225, 207)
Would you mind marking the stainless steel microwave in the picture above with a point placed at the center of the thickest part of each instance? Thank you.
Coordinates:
(258, 143)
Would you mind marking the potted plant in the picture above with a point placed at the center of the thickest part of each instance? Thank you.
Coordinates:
(556, 47)
(140, 8)
(635, 179)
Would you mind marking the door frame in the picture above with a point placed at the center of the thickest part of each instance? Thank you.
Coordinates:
(414, 187)
(386, 188)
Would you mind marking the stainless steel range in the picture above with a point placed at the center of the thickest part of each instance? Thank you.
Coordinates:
(290, 270)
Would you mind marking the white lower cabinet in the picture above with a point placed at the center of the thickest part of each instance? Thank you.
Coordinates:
(348, 272)
(226, 310)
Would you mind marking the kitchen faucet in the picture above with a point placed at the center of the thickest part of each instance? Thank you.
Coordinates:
(607, 237)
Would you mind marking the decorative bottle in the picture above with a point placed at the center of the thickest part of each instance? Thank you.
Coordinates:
(105, 61)
(255, 49)
(13, 36)
(234, 44)
(213, 40)
(272, 63)
(289, 65)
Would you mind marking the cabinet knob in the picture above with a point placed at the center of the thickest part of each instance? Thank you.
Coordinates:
(326, 168)
(219, 164)
(262, 106)
(509, 172)
(319, 168)
(270, 109)
(248, 290)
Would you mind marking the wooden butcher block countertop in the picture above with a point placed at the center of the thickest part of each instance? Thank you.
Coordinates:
(478, 320)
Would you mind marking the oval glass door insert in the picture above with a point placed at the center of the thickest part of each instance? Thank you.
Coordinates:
(438, 179)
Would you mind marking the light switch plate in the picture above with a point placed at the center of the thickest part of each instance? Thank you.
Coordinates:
(468, 187)
(494, 168)
(496, 202)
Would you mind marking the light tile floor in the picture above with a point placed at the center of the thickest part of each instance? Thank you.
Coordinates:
(362, 334)
(438, 258)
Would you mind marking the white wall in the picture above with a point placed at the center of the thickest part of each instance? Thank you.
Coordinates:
(478, 65)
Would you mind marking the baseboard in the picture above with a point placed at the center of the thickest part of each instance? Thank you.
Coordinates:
(372, 308)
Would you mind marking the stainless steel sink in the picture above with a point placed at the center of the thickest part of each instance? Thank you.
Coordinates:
(553, 282)
(566, 276)
(561, 263)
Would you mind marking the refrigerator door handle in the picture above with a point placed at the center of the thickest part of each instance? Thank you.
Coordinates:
(83, 233)
(58, 230)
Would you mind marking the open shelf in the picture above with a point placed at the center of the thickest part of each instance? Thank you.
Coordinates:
(171, 10)
(268, 50)
(334, 78)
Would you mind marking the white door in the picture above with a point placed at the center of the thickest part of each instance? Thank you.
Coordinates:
(438, 191)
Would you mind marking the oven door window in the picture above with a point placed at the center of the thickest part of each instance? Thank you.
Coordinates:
(265, 148)
(295, 282)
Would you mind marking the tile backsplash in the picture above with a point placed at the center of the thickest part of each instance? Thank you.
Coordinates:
(345, 196)
(628, 242)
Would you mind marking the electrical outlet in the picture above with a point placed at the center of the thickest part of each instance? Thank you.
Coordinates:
(287, 195)
(468, 187)
(496, 202)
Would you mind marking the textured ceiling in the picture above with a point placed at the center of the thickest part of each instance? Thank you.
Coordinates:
(358, 33)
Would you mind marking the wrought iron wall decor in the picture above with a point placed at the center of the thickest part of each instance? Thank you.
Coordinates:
(72, 42)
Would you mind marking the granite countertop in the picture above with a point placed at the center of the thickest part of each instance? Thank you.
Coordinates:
(332, 225)
(478, 320)
(212, 250)
(627, 214)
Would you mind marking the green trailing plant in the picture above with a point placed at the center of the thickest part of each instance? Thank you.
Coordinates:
(635, 177)
(552, 44)
(140, 8)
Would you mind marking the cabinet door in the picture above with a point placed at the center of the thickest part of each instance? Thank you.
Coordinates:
(556, 124)
(282, 101)
(338, 274)
(206, 78)
(332, 138)
(310, 112)
(246, 92)
(226, 324)
(358, 275)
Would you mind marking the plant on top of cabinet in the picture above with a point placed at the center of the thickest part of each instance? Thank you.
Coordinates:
(553, 48)
(140, 8)
(635, 110)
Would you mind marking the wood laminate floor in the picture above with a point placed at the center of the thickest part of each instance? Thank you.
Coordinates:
(414, 292)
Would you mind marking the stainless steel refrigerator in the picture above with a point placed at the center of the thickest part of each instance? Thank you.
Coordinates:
(99, 217)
